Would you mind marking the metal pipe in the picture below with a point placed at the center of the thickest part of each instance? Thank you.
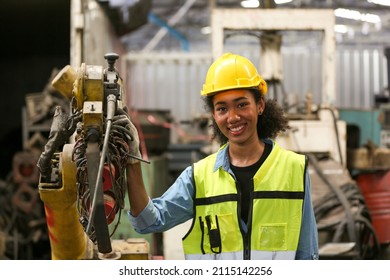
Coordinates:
(97, 200)
(156, 20)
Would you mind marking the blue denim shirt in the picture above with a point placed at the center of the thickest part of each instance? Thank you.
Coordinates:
(175, 206)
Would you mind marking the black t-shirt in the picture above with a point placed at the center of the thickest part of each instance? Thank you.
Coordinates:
(244, 177)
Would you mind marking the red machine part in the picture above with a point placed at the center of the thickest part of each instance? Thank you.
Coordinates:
(24, 168)
(109, 207)
(109, 173)
(107, 177)
(375, 187)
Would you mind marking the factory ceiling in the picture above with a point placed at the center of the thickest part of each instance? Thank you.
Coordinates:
(189, 19)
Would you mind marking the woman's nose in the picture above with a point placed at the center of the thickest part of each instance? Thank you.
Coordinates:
(233, 116)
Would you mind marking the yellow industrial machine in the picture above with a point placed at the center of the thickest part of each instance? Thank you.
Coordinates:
(83, 184)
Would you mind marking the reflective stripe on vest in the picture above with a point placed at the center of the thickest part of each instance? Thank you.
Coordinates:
(255, 255)
(275, 220)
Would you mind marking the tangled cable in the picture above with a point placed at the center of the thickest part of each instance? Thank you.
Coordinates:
(116, 159)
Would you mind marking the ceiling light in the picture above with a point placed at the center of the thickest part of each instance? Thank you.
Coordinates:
(380, 2)
(371, 18)
(356, 15)
(250, 3)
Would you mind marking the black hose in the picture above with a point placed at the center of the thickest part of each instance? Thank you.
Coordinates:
(341, 197)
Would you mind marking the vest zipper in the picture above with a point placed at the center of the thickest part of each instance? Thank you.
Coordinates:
(245, 235)
(247, 245)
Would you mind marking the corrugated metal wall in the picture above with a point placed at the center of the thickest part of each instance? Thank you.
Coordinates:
(361, 73)
(302, 73)
(173, 81)
(167, 82)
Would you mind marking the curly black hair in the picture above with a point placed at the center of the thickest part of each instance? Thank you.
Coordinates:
(272, 122)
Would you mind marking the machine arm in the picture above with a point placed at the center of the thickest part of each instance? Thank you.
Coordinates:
(95, 177)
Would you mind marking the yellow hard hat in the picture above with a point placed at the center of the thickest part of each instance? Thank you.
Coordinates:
(232, 71)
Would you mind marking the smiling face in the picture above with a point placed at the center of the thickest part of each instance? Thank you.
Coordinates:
(236, 113)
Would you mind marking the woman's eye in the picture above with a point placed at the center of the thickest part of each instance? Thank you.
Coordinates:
(220, 109)
(242, 105)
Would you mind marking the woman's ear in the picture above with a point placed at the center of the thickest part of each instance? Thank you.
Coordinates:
(261, 106)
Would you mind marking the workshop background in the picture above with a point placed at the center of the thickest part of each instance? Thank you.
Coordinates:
(327, 62)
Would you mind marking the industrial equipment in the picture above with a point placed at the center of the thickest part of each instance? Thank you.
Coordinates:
(368, 160)
(82, 168)
(23, 233)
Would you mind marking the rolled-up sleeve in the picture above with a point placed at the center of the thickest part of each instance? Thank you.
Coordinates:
(174, 207)
(145, 219)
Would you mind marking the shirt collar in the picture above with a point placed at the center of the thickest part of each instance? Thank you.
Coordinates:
(222, 159)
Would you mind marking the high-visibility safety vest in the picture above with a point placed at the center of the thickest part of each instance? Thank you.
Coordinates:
(275, 217)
